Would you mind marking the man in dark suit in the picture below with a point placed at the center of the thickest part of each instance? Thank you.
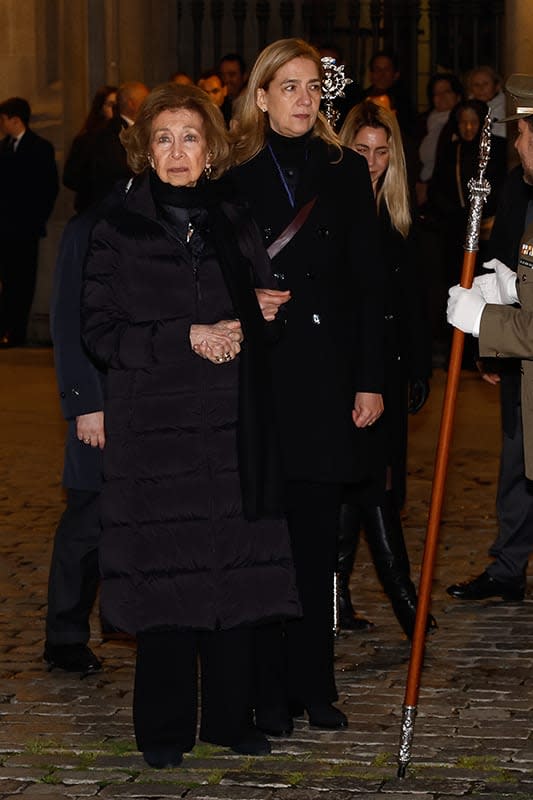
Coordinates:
(109, 163)
(74, 576)
(385, 80)
(29, 181)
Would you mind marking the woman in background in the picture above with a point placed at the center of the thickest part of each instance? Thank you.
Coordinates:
(76, 172)
(373, 132)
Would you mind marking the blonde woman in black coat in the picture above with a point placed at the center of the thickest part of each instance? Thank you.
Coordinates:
(328, 365)
(372, 131)
(195, 550)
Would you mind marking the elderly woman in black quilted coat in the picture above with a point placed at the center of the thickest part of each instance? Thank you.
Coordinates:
(195, 550)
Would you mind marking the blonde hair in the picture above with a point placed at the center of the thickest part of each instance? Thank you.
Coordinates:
(250, 135)
(172, 97)
(393, 190)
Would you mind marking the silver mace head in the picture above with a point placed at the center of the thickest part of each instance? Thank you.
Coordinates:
(332, 87)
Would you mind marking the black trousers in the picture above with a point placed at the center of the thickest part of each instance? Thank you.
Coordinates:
(514, 503)
(73, 578)
(294, 661)
(166, 687)
(18, 273)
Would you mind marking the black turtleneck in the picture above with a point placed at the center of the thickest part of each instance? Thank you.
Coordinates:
(290, 155)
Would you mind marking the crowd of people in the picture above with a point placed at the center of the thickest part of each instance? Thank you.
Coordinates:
(241, 326)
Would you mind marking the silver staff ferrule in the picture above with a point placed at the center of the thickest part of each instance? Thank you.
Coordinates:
(406, 738)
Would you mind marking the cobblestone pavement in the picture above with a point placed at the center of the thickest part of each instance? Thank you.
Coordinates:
(61, 737)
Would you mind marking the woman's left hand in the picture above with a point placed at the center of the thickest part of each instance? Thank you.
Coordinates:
(367, 408)
(219, 342)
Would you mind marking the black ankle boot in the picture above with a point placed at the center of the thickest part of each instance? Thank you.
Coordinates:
(347, 542)
(386, 542)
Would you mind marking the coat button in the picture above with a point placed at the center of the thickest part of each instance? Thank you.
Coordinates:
(62, 394)
(75, 391)
(316, 319)
(524, 277)
(388, 317)
(310, 275)
(267, 232)
(280, 276)
(323, 233)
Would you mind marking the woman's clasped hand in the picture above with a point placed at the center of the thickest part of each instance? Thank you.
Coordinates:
(218, 343)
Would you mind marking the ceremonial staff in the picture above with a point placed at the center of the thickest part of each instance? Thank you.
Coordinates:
(479, 189)
(332, 87)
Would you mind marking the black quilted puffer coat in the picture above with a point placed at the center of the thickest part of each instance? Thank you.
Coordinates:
(193, 536)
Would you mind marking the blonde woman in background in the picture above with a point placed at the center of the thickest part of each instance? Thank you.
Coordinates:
(372, 131)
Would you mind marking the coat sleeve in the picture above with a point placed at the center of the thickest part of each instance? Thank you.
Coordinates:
(368, 277)
(110, 329)
(40, 203)
(77, 166)
(78, 378)
(415, 311)
(506, 332)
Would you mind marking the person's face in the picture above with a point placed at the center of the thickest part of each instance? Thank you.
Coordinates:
(483, 87)
(383, 74)
(524, 148)
(444, 98)
(135, 101)
(372, 143)
(108, 105)
(232, 77)
(214, 88)
(292, 99)
(8, 125)
(468, 124)
(178, 146)
(182, 79)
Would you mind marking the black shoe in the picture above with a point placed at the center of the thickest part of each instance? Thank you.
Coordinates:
(72, 658)
(254, 743)
(161, 757)
(274, 721)
(349, 619)
(324, 715)
(485, 586)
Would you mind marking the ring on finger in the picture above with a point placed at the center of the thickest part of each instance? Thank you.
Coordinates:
(86, 441)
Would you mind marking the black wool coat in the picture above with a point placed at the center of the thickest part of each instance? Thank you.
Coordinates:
(30, 185)
(407, 356)
(80, 379)
(187, 441)
(332, 344)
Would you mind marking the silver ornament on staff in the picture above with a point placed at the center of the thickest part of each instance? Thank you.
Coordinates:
(333, 86)
(479, 190)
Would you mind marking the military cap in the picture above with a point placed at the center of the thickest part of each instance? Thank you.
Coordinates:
(520, 87)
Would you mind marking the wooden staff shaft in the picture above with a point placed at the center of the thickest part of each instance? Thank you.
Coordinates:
(435, 510)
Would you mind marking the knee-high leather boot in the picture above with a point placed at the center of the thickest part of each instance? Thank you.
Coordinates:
(347, 543)
(386, 542)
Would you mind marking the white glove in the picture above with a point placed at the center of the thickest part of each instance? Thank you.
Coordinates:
(500, 286)
(465, 307)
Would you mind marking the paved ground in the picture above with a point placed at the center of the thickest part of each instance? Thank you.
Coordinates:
(65, 738)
